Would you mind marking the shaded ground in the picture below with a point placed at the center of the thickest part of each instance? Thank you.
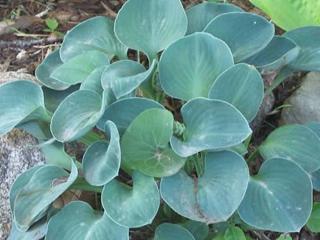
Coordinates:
(25, 47)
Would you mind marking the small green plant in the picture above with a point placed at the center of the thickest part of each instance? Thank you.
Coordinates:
(52, 26)
(173, 125)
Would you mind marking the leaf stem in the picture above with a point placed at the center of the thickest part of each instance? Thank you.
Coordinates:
(253, 155)
(90, 138)
(82, 184)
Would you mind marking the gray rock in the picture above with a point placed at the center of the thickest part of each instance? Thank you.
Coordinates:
(11, 76)
(304, 102)
(17, 154)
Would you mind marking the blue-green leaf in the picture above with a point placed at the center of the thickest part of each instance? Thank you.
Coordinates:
(92, 34)
(44, 70)
(20, 101)
(37, 129)
(199, 230)
(145, 144)
(307, 39)
(134, 206)
(215, 195)
(76, 115)
(78, 221)
(279, 52)
(36, 232)
(78, 68)
(315, 176)
(296, 143)
(124, 111)
(169, 231)
(45, 186)
(101, 161)
(241, 86)
(52, 98)
(93, 81)
(150, 25)
(55, 155)
(245, 33)
(19, 183)
(201, 14)
(279, 198)
(210, 124)
(188, 68)
(315, 127)
(125, 76)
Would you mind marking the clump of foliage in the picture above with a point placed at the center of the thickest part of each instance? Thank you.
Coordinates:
(166, 134)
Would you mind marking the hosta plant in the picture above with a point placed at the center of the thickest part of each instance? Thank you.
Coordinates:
(166, 129)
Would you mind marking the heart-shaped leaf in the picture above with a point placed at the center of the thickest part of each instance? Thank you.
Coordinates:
(169, 231)
(306, 40)
(124, 111)
(93, 81)
(188, 68)
(101, 161)
(44, 70)
(46, 185)
(77, 69)
(150, 28)
(20, 101)
(125, 76)
(132, 207)
(76, 115)
(78, 221)
(201, 14)
(209, 124)
(242, 86)
(291, 14)
(279, 198)
(296, 143)
(145, 144)
(212, 197)
(279, 52)
(245, 33)
(93, 34)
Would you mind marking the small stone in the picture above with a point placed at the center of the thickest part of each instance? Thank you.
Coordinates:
(304, 102)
